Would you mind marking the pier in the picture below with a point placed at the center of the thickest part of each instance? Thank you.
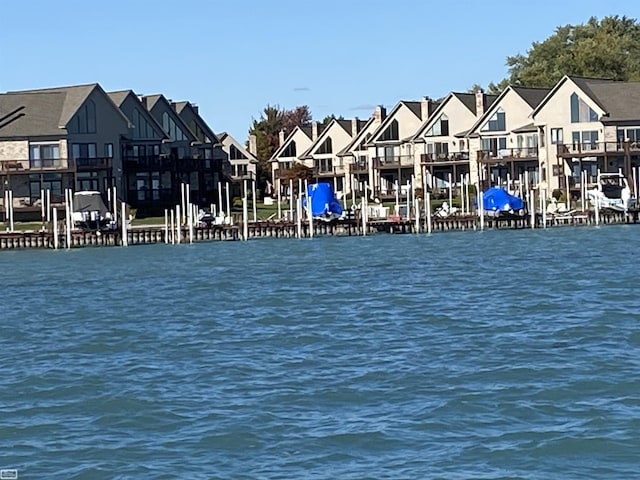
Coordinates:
(147, 235)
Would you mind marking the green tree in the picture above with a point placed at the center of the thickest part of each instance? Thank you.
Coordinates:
(607, 48)
(267, 131)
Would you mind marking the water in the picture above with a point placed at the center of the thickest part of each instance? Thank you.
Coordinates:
(498, 354)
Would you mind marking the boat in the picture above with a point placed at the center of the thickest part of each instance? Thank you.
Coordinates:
(90, 212)
(497, 202)
(324, 204)
(612, 192)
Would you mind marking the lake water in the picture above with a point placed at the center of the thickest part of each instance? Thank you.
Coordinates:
(496, 354)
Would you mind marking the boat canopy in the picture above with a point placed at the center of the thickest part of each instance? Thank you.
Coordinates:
(497, 198)
(324, 203)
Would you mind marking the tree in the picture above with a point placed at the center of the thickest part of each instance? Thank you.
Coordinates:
(607, 48)
(267, 131)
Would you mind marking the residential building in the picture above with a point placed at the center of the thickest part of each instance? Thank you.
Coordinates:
(289, 150)
(590, 125)
(322, 156)
(503, 143)
(440, 144)
(391, 149)
(58, 138)
(244, 161)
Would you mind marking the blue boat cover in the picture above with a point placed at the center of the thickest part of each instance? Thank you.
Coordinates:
(497, 198)
(324, 203)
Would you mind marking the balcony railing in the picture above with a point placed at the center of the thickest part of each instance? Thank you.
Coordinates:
(444, 157)
(399, 161)
(93, 163)
(36, 165)
(509, 154)
(595, 148)
(358, 168)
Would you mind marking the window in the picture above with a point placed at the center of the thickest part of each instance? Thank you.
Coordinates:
(497, 122)
(326, 147)
(588, 140)
(85, 119)
(494, 145)
(324, 164)
(556, 136)
(440, 128)
(172, 129)
(631, 134)
(290, 150)
(391, 133)
(88, 181)
(236, 154)
(141, 127)
(108, 150)
(44, 154)
(83, 150)
(580, 111)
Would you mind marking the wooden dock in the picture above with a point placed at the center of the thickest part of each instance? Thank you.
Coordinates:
(256, 230)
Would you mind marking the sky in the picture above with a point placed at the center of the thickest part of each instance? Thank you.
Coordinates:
(233, 58)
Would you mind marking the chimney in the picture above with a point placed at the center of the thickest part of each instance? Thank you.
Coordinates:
(379, 114)
(195, 108)
(354, 126)
(281, 138)
(426, 107)
(479, 102)
(253, 145)
(314, 131)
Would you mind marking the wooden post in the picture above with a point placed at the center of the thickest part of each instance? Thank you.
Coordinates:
(363, 214)
(166, 226)
(228, 203)
(278, 200)
(123, 220)
(428, 211)
(254, 199)
(56, 241)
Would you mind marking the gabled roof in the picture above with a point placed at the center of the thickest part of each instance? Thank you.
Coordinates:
(436, 114)
(152, 101)
(344, 124)
(225, 137)
(469, 100)
(305, 130)
(362, 132)
(182, 106)
(119, 97)
(46, 111)
(619, 100)
(410, 105)
(529, 95)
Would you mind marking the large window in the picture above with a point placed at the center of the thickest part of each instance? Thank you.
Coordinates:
(44, 154)
(50, 181)
(141, 127)
(631, 134)
(326, 147)
(85, 119)
(172, 129)
(83, 150)
(438, 149)
(324, 164)
(88, 181)
(588, 140)
(290, 150)
(497, 122)
(495, 145)
(391, 133)
(440, 128)
(236, 154)
(580, 111)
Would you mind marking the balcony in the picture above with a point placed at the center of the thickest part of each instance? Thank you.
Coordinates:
(444, 158)
(508, 154)
(150, 162)
(240, 176)
(41, 165)
(386, 163)
(358, 168)
(87, 164)
(592, 149)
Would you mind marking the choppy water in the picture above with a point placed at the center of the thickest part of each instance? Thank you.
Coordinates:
(510, 354)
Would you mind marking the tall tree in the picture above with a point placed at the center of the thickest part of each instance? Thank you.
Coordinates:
(607, 48)
(267, 131)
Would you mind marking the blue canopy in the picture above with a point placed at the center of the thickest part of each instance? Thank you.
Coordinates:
(324, 203)
(497, 198)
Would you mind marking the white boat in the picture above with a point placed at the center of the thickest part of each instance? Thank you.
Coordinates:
(90, 212)
(612, 191)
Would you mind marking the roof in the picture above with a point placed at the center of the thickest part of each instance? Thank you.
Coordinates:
(619, 100)
(530, 127)
(31, 114)
(150, 101)
(362, 132)
(533, 96)
(119, 97)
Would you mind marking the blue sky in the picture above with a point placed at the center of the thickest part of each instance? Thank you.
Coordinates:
(234, 57)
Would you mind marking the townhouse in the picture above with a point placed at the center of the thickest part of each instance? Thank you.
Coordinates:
(289, 150)
(58, 138)
(503, 142)
(441, 145)
(243, 161)
(590, 125)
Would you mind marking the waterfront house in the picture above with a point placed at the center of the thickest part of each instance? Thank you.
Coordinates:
(322, 155)
(58, 138)
(244, 161)
(391, 150)
(355, 155)
(441, 146)
(289, 150)
(503, 143)
(588, 124)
